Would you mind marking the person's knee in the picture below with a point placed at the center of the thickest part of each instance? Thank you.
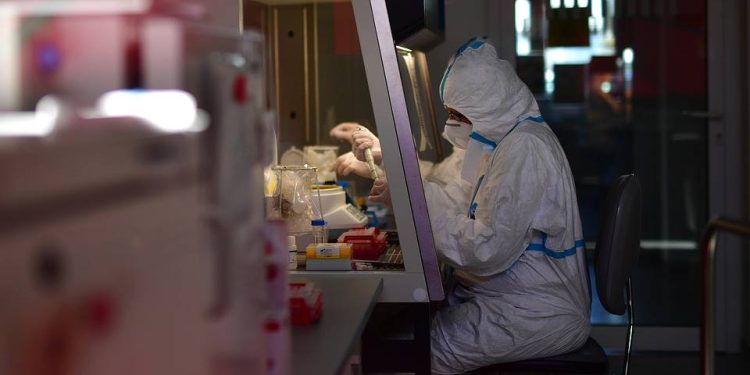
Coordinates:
(442, 360)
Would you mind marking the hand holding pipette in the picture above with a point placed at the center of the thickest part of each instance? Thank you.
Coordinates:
(366, 147)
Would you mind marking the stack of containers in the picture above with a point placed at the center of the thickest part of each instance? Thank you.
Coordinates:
(305, 303)
(367, 244)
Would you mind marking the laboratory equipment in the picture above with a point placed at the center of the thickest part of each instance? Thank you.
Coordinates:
(305, 303)
(276, 324)
(292, 249)
(291, 157)
(276, 254)
(119, 225)
(337, 212)
(329, 257)
(329, 251)
(377, 215)
(386, 87)
(370, 81)
(327, 76)
(371, 164)
(319, 231)
(323, 158)
(323, 75)
(328, 265)
(120, 235)
(391, 259)
(223, 69)
(368, 244)
(293, 198)
(349, 188)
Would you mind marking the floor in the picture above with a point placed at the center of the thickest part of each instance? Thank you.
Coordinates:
(663, 363)
(679, 363)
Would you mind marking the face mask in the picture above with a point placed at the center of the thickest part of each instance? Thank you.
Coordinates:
(457, 133)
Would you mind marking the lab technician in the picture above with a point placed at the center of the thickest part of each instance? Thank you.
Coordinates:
(507, 222)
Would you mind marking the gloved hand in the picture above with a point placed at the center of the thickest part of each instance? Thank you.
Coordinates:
(344, 130)
(380, 192)
(363, 139)
(348, 163)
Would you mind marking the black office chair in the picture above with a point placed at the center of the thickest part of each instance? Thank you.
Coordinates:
(615, 256)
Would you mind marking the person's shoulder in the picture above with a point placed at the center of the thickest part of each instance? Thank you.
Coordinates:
(533, 142)
(538, 129)
(530, 135)
(541, 143)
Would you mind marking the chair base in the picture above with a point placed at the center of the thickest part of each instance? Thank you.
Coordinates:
(589, 359)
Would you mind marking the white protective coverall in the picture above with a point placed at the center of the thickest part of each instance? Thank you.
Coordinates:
(522, 289)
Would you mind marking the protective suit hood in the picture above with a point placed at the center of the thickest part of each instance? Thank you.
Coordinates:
(486, 90)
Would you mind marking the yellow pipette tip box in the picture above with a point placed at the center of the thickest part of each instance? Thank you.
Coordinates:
(329, 251)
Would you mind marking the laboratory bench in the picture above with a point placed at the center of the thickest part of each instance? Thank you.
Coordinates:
(325, 346)
(394, 336)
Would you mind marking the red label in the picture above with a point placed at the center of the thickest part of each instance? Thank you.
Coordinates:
(240, 89)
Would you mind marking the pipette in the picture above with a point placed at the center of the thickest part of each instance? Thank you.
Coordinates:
(369, 159)
(371, 164)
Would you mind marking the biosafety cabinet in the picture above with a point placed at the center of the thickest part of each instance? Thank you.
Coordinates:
(362, 61)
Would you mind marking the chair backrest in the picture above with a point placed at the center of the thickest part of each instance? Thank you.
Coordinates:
(618, 244)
